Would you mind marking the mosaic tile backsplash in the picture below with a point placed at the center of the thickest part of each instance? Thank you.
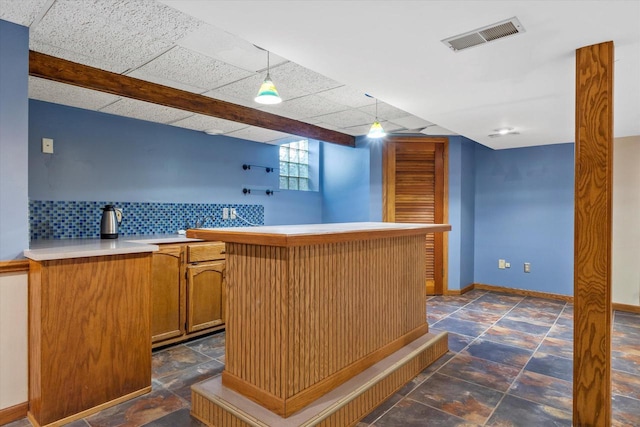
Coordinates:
(74, 220)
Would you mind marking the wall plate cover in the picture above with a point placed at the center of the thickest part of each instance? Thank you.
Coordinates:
(47, 145)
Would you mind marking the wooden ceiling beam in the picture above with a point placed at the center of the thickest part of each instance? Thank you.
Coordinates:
(63, 71)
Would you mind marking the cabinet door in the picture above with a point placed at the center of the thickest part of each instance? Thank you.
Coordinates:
(205, 298)
(167, 319)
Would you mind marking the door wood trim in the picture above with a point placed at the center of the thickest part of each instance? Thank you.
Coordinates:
(63, 71)
(388, 191)
(592, 246)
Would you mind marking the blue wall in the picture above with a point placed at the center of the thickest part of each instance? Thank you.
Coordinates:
(100, 156)
(524, 213)
(512, 204)
(345, 183)
(14, 210)
(461, 212)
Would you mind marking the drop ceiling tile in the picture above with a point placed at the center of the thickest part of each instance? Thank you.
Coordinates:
(186, 67)
(347, 96)
(149, 17)
(411, 122)
(223, 46)
(385, 111)
(297, 80)
(286, 140)
(145, 111)
(80, 31)
(304, 107)
(77, 57)
(22, 12)
(201, 122)
(223, 95)
(246, 90)
(347, 118)
(253, 133)
(328, 126)
(73, 96)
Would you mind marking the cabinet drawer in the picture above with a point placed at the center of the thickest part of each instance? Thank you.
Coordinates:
(205, 252)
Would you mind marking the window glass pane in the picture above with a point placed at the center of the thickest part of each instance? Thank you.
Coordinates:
(284, 153)
(294, 163)
(293, 155)
(293, 183)
(284, 182)
(303, 157)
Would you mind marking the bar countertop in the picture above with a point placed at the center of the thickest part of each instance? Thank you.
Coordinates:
(307, 234)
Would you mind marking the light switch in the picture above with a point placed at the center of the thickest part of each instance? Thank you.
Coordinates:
(47, 145)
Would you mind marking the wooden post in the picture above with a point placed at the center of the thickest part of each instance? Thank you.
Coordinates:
(592, 252)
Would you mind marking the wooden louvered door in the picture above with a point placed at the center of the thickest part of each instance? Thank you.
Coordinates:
(414, 191)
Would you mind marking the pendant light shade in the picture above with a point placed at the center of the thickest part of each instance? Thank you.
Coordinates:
(268, 93)
(376, 131)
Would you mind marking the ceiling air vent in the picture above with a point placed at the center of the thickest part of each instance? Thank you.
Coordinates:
(484, 35)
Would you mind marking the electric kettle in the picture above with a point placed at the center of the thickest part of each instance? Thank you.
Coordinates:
(111, 217)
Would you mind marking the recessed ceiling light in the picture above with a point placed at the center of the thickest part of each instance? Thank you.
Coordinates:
(213, 131)
(502, 132)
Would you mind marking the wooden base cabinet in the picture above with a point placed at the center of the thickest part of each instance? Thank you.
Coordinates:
(205, 283)
(167, 278)
(88, 335)
(188, 291)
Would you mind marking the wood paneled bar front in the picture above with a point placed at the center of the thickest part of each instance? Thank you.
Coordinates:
(315, 313)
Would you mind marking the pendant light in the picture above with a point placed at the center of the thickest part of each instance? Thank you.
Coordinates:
(268, 93)
(376, 131)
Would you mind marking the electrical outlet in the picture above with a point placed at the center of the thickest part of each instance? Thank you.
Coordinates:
(502, 264)
(233, 213)
(507, 265)
(225, 213)
(47, 145)
(527, 267)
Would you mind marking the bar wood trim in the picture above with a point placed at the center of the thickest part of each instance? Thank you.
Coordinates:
(286, 407)
(592, 247)
(344, 406)
(13, 413)
(316, 391)
(14, 266)
(63, 71)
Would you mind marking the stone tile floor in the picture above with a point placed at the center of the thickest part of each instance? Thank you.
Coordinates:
(509, 364)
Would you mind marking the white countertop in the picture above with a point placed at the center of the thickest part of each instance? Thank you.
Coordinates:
(309, 234)
(328, 228)
(45, 250)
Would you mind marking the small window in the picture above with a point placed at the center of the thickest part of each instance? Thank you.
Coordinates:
(294, 166)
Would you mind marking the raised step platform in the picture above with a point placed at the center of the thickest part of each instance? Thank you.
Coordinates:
(219, 406)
